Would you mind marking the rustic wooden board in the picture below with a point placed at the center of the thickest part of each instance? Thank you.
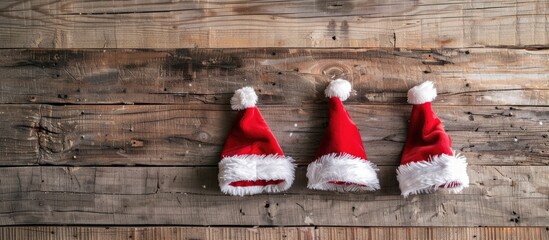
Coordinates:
(312, 23)
(281, 76)
(298, 233)
(19, 142)
(477, 233)
(164, 233)
(498, 196)
(194, 134)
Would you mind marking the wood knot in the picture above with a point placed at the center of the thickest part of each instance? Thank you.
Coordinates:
(203, 136)
(137, 143)
(335, 71)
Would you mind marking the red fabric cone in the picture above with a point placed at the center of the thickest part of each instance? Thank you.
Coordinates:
(428, 161)
(340, 163)
(250, 135)
(252, 160)
(342, 135)
(426, 135)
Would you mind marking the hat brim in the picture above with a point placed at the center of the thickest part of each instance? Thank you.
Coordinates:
(439, 172)
(342, 172)
(276, 169)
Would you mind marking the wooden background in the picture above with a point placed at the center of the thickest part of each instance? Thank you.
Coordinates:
(113, 113)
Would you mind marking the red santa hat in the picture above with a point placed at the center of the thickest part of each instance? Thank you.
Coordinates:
(428, 162)
(340, 163)
(252, 162)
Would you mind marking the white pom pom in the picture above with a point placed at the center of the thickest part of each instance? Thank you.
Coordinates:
(339, 88)
(243, 98)
(425, 92)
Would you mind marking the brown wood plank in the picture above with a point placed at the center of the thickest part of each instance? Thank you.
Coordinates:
(448, 233)
(312, 23)
(18, 138)
(266, 233)
(281, 76)
(195, 134)
(498, 196)
(164, 233)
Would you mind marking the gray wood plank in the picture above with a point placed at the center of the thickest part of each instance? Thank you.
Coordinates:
(422, 24)
(268, 233)
(181, 195)
(281, 76)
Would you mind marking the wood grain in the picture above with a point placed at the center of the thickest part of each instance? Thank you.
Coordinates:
(476, 233)
(498, 196)
(414, 24)
(19, 142)
(298, 233)
(192, 135)
(164, 233)
(281, 76)
(123, 123)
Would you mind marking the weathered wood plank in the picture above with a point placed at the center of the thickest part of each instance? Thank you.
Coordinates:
(164, 233)
(195, 134)
(298, 233)
(422, 24)
(18, 138)
(498, 196)
(454, 233)
(281, 76)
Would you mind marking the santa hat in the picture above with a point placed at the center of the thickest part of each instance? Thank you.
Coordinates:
(428, 161)
(340, 162)
(252, 162)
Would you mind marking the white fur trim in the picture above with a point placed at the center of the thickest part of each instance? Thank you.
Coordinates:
(428, 176)
(425, 92)
(339, 88)
(243, 98)
(255, 167)
(345, 168)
